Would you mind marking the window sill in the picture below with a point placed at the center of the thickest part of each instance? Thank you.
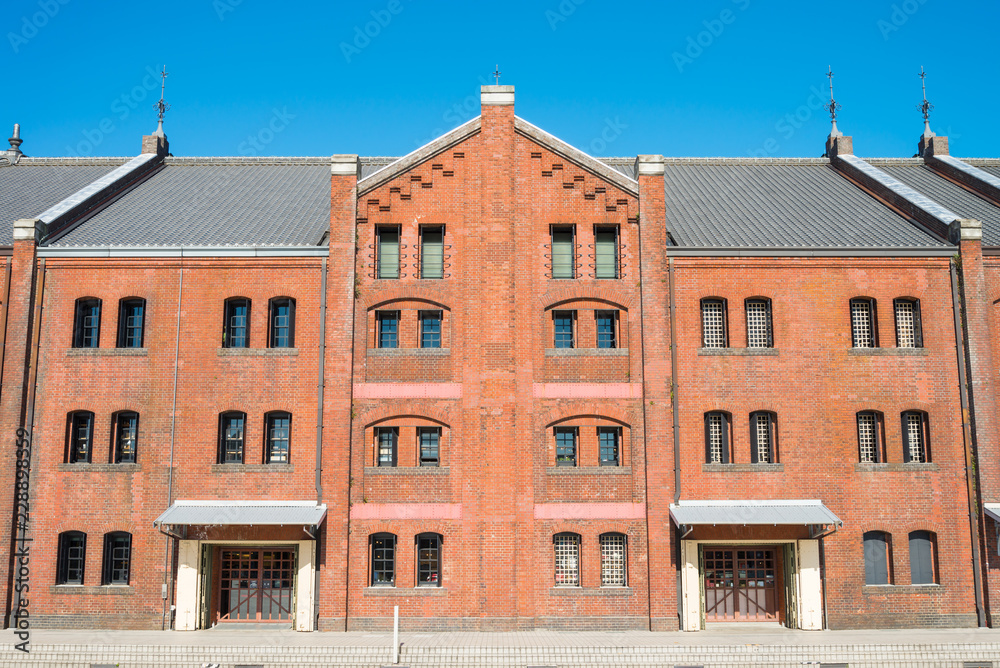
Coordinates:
(590, 591)
(105, 590)
(875, 590)
(107, 352)
(406, 470)
(257, 352)
(99, 468)
(888, 352)
(744, 352)
(895, 467)
(586, 352)
(742, 468)
(252, 468)
(406, 352)
(399, 591)
(589, 470)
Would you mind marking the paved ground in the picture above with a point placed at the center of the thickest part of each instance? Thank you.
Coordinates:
(729, 645)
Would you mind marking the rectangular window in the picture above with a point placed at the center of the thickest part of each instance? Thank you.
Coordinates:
(877, 561)
(388, 252)
(567, 548)
(713, 323)
(432, 252)
(87, 325)
(566, 440)
(81, 432)
(231, 436)
(613, 560)
(562, 322)
(609, 441)
(563, 252)
(430, 329)
(762, 449)
(863, 323)
(716, 438)
(126, 430)
(759, 333)
(607, 329)
(386, 439)
(383, 560)
(279, 427)
(117, 558)
(915, 448)
(909, 333)
(430, 440)
(388, 329)
(131, 317)
(282, 323)
(922, 558)
(237, 334)
(869, 437)
(72, 557)
(428, 560)
(606, 252)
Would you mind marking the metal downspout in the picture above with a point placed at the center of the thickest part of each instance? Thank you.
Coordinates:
(167, 568)
(321, 383)
(677, 439)
(960, 345)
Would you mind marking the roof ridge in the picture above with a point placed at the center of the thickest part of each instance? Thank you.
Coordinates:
(70, 161)
(744, 161)
(246, 160)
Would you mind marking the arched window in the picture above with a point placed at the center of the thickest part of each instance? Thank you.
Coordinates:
(429, 560)
(763, 438)
(871, 437)
(79, 437)
(714, 329)
(117, 558)
(125, 436)
(878, 558)
(718, 438)
(864, 329)
(909, 333)
(916, 437)
(277, 435)
(567, 564)
(760, 334)
(923, 558)
(131, 322)
(383, 560)
(281, 323)
(87, 323)
(613, 560)
(72, 558)
(232, 437)
(236, 325)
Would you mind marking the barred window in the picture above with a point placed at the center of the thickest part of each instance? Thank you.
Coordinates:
(388, 329)
(117, 558)
(717, 438)
(863, 331)
(383, 555)
(282, 322)
(72, 557)
(431, 252)
(607, 322)
(237, 323)
(131, 321)
(562, 322)
(566, 440)
(713, 323)
(915, 437)
(870, 437)
(125, 430)
(231, 437)
(609, 441)
(908, 329)
(430, 439)
(430, 329)
(429, 560)
(613, 560)
(563, 252)
(759, 333)
(81, 437)
(762, 427)
(278, 427)
(87, 323)
(567, 549)
(386, 439)
(388, 252)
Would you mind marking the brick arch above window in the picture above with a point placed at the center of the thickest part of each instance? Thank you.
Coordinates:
(406, 297)
(405, 409)
(568, 421)
(550, 417)
(586, 302)
(615, 297)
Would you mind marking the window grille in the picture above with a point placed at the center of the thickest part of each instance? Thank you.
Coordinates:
(231, 437)
(609, 439)
(606, 334)
(428, 560)
(383, 560)
(908, 329)
(131, 316)
(388, 329)
(868, 437)
(385, 443)
(759, 334)
(237, 333)
(126, 437)
(762, 438)
(72, 557)
(563, 324)
(566, 438)
(81, 434)
(431, 252)
(567, 548)
(430, 439)
(117, 558)
(862, 323)
(430, 329)
(713, 323)
(613, 560)
(717, 437)
(914, 433)
(87, 327)
(282, 323)
(278, 433)
(388, 252)
(563, 252)
(606, 252)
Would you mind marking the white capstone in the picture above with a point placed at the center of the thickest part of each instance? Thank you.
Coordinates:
(344, 165)
(28, 229)
(649, 165)
(494, 96)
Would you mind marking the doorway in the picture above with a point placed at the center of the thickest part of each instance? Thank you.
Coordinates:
(741, 584)
(256, 585)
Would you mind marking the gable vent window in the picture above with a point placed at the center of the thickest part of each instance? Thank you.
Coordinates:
(388, 252)
(563, 253)
(432, 252)
(606, 252)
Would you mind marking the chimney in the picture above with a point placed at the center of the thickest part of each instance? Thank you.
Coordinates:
(839, 145)
(156, 143)
(931, 145)
(497, 106)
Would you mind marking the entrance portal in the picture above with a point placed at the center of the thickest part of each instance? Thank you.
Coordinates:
(256, 585)
(741, 584)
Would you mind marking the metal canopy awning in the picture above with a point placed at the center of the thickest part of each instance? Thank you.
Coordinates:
(993, 510)
(773, 512)
(245, 513)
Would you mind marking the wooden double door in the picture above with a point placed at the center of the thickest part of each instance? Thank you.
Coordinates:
(741, 583)
(256, 585)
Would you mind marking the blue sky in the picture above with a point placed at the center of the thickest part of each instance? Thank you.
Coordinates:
(718, 78)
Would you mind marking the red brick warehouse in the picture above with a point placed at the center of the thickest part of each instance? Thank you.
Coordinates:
(502, 384)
